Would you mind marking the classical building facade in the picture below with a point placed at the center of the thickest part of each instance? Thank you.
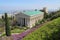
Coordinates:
(29, 18)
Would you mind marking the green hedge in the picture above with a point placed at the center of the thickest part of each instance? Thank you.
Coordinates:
(45, 32)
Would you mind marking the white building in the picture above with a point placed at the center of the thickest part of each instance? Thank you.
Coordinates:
(28, 18)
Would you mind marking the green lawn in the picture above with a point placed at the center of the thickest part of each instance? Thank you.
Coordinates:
(45, 31)
(14, 31)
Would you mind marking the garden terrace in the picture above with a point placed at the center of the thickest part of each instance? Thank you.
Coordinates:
(45, 32)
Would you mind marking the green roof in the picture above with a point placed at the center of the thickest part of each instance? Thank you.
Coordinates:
(32, 13)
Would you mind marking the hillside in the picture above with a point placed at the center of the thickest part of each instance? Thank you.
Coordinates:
(50, 31)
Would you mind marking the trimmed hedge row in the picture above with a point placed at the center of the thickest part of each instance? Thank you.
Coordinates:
(45, 32)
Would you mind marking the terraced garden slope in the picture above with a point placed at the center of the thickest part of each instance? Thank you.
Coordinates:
(50, 31)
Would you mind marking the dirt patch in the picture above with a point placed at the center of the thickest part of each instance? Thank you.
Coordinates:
(6, 38)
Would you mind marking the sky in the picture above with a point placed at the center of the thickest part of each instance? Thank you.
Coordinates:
(28, 4)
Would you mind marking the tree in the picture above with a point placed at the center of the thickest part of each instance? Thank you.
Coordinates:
(45, 15)
(2, 17)
(7, 28)
(35, 9)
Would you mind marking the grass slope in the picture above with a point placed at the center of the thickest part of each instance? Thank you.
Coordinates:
(44, 31)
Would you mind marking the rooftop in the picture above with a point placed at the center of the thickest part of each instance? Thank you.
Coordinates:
(32, 13)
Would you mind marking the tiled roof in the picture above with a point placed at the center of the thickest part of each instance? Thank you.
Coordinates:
(32, 13)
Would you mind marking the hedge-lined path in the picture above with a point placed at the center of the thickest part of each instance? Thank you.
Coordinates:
(23, 34)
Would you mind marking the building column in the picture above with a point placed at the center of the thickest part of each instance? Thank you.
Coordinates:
(21, 21)
(24, 21)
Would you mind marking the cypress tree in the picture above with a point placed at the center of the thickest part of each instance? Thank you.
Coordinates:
(2, 17)
(7, 28)
(45, 15)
